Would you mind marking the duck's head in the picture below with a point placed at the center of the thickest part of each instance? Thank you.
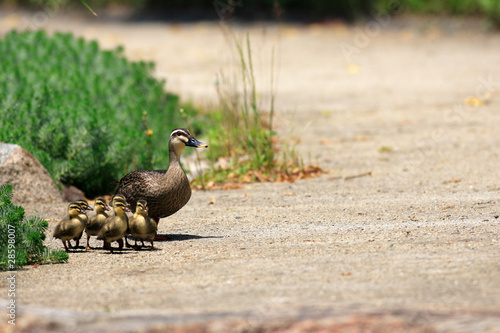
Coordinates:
(84, 205)
(74, 209)
(101, 206)
(181, 137)
(142, 207)
(120, 208)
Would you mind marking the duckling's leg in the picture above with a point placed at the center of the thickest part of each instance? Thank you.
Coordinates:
(65, 246)
(120, 243)
(77, 239)
(88, 245)
(151, 241)
(158, 237)
(126, 242)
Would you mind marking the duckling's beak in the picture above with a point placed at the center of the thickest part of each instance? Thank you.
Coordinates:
(127, 209)
(82, 211)
(107, 207)
(89, 208)
(195, 143)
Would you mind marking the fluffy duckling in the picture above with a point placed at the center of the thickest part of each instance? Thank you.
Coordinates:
(115, 227)
(96, 222)
(141, 225)
(71, 226)
(84, 205)
(166, 191)
(121, 198)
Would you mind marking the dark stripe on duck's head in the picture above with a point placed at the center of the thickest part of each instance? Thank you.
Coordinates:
(185, 136)
(84, 205)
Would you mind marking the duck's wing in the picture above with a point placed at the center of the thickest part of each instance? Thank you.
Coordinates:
(138, 184)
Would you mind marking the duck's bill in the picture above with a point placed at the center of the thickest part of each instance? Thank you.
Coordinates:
(195, 143)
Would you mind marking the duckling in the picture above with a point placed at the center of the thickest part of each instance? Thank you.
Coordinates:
(84, 205)
(71, 226)
(121, 198)
(141, 226)
(115, 227)
(166, 191)
(96, 222)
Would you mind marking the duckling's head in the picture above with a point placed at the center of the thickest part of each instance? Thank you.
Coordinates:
(181, 137)
(101, 206)
(120, 208)
(118, 198)
(74, 209)
(142, 207)
(84, 205)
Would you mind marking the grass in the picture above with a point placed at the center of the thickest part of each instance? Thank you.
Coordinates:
(244, 146)
(81, 111)
(21, 238)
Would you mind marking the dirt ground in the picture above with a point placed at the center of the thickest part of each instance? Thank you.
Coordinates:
(401, 235)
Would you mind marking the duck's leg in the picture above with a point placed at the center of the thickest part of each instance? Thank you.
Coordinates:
(120, 243)
(151, 241)
(65, 246)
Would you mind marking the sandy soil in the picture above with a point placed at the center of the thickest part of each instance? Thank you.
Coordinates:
(401, 235)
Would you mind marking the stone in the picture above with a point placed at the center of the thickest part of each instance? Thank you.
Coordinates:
(31, 181)
(72, 193)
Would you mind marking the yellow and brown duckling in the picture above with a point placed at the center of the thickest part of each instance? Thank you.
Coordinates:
(166, 191)
(96, 222)
(71, 226)
(121, 198)
(141, 225)
(84, 205)
(115, 227)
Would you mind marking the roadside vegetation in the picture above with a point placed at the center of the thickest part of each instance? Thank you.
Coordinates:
(21, 237)
(245, 146)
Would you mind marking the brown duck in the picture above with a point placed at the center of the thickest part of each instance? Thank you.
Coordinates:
(165, 191)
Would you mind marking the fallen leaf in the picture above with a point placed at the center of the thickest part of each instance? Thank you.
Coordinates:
(385, 149)
(289, 194)
(453, 180)
(212, 202)
(352, 69)
(326, 142)
(474, 101)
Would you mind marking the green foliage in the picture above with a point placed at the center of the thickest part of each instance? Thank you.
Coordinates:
(80, 110)
(21, 238)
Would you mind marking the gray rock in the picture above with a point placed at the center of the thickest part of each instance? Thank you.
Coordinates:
(32, 183)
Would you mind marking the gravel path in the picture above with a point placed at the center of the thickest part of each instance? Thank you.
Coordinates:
(401, 235)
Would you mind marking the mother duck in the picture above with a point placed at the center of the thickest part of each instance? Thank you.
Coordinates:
(166, 191)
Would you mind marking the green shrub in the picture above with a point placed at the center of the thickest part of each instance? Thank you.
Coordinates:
(80, 110)
(21, 238)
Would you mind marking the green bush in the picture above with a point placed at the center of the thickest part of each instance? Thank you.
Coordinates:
(80, 110)
(21, 238)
